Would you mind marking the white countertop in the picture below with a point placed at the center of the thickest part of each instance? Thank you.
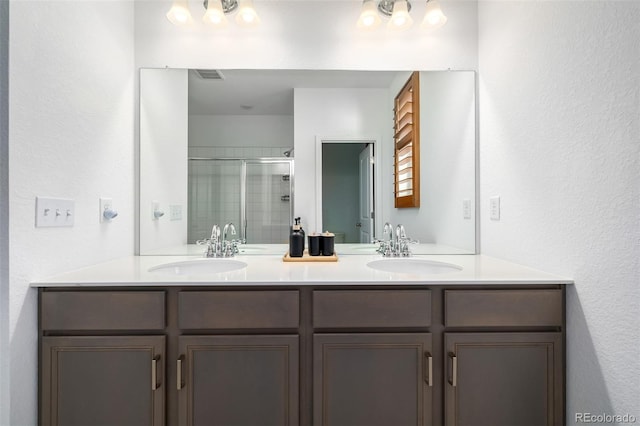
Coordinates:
(271, 270)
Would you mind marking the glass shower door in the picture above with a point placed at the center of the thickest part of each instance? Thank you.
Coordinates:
(214, 195)
(267, 201)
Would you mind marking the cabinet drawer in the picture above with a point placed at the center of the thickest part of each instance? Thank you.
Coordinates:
(103, 310)
(495, 308)
(371, 308)
(238, 309)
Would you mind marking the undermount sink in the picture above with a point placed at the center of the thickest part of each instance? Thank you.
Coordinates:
(413, 266)
(199, 267)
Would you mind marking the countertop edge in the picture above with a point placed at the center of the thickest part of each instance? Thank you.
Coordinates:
(270, 271)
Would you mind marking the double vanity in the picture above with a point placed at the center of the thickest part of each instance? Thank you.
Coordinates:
(253, 340)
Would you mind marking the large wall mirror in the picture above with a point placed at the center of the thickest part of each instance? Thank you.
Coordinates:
(259, 147)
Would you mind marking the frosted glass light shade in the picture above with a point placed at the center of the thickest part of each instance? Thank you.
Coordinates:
(400, 19)
(215, 15)
(434, 17)
(369, 17)
(179, 13)
(247, 15)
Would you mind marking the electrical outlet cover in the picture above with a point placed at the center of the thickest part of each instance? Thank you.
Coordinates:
(105, 204)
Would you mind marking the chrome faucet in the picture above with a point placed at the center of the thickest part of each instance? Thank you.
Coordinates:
(386, 244)
(229, 247)
(217, 246)
(402, 245)
(397, 245)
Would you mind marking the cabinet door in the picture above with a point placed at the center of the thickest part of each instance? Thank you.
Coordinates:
(372, 379)
(238, 380)
(504, 379)
(102, 381)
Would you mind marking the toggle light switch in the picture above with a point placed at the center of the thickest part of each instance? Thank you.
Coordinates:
(466, 209)
(494, 208)
(54, 212)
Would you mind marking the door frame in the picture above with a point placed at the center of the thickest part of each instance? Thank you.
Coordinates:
(377, 154)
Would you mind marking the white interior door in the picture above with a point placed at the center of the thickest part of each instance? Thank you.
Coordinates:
(366, 195)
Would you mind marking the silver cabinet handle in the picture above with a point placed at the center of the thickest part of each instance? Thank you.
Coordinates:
(179, 382)
(454, 369)
(154, 372)
(429, 370)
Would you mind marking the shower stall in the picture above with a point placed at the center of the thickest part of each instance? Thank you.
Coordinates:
(256, 195)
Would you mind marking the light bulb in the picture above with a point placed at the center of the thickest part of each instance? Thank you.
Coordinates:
(400, 19)
(247, 15)
(214, 14)
(369, 18)
(179, 13)
(434, 17)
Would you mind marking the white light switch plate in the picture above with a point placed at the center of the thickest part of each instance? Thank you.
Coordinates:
(494, 208)
(466, 209)
(53, 212)
(175, 212)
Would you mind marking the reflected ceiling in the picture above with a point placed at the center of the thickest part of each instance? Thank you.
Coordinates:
(270, 92)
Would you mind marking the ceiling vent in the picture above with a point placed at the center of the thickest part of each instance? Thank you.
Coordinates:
(210, 74)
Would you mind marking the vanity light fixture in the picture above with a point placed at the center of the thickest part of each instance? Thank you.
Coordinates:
(247, 15)
(216, 11)
(433, 17)
(398, 13)
(179, 13)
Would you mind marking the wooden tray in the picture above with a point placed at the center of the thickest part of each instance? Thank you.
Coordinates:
(306, 258)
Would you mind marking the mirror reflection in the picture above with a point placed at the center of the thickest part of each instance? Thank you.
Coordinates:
(226, 146)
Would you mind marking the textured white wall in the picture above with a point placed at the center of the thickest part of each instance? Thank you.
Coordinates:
(559, 120)
(71, 98)
(241, 130)
(309, 34)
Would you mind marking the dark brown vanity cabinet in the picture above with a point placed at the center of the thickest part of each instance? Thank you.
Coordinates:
(371, 368)
(303, 355)
(88, 375)
(238, 379)
(512, 377)
(504, 379)
(372, 379)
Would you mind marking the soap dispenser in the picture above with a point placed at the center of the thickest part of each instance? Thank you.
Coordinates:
(302, 232)
(296, 240)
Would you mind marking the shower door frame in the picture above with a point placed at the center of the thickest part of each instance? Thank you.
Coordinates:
(243, 183)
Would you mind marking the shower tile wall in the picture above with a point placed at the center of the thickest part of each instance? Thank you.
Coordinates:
(214, 197)
(214, 194)
(268, 216)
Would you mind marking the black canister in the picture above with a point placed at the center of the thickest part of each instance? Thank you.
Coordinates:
(327, 243)
(314, 245)
(296, 242)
